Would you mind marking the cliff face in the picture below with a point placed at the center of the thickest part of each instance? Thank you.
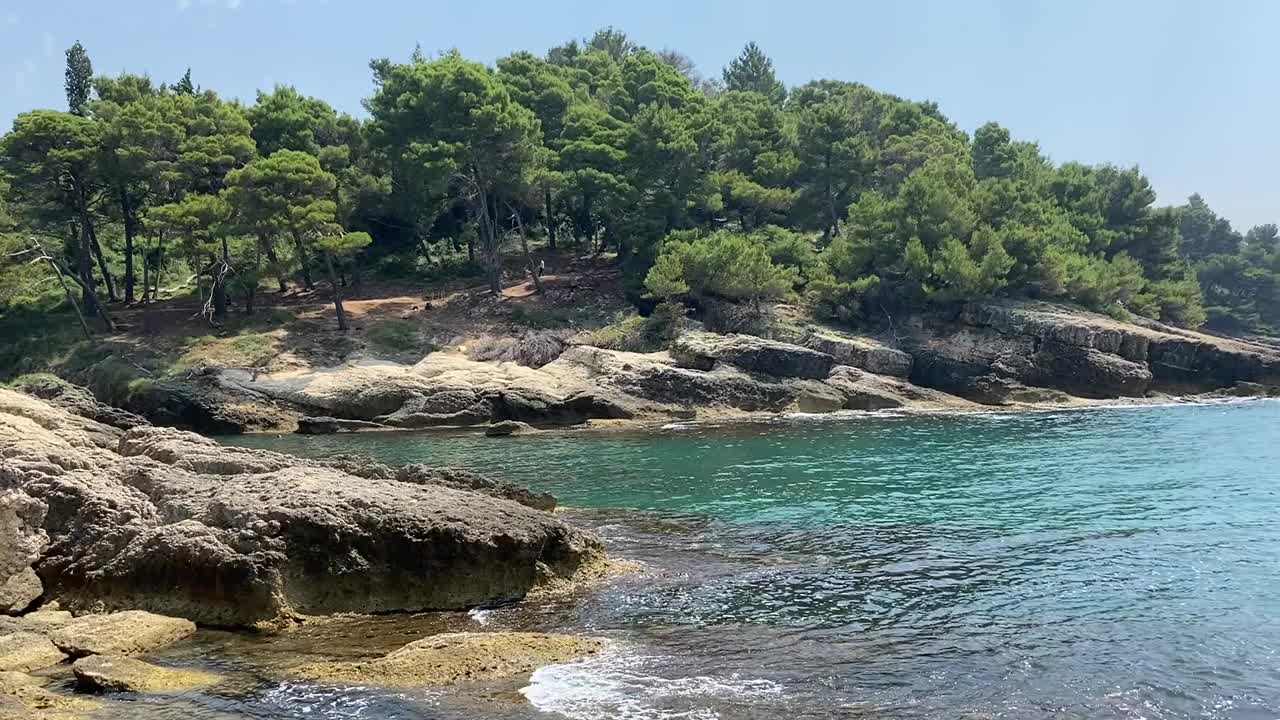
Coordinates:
(992, 347)
(168, 521)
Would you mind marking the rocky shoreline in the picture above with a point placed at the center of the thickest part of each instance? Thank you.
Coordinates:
(993, 355)
(116, 539)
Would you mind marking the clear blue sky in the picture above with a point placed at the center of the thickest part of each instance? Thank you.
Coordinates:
(1188, 91)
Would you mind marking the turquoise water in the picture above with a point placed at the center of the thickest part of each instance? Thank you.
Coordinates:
(1118, 563)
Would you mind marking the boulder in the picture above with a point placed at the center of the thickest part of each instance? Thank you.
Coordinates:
(860, 353)
(451, 658)
(114, 673)
(26, 651)
(176, 524)
(132, 632)
(22, 539)
(504, 428)
(20, 591)
(701, 350)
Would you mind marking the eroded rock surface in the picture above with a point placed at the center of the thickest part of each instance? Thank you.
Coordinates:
(702, 350)
(174, 523)
(115, 673)
(451, 658)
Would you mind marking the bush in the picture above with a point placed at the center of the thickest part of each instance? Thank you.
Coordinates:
(532, 349)
(640, 334)
(723, 264)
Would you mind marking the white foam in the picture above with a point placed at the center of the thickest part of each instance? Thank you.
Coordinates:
(480, 616)
(616, 686)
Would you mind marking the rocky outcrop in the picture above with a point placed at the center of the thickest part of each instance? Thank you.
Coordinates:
(324, 425)
(702, 350)
(993, 349)
(860, 353)
(27, 697)
(461, 479)
(113, 673)
(505, 428)
(450, 658)
(174, 523)
(78, 401)
(20, 591)
(862, 390)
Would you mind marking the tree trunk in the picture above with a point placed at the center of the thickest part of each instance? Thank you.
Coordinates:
(84, 269)
(551, 226)
(220, 270)
(126, 212)
(270, 249)
(155, 295)
(66, 289)
(304, 262)
(102, 262)
(528, 256)
(337, 292)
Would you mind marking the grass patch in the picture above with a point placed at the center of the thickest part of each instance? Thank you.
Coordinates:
(634, 333)
(397, 338)
(249, 349)
(542, 317)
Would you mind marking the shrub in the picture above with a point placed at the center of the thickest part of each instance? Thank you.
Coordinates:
(723, 264)
(531, 349)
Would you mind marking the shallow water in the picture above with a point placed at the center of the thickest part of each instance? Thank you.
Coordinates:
(1120, 563)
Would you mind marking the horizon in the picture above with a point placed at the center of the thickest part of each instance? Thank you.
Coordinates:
(1211, 143)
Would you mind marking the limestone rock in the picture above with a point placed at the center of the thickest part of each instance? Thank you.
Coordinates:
(324, 425)
(131, 632)
(503, 428)
(701, 350)
(114, 673)
(461, 479)
(26, 651)
(79, 401)
(451, 658)
(860, 353)
(864, 390)
(176, 524)
(19, 591)
(24, 697)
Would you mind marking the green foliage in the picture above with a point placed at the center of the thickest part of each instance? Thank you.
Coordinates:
(752, 71)
(723, 264)
(78, 78)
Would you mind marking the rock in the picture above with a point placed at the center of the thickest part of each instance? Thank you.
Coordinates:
(113, 673)
(21, 541)
(25, 696)
(19, 591)
(41, 621)
(503, 428)
(864, 390)
(461, 479)
(1248, 390)
(78, 401)
(324, 425)
(131, 632)
(860, 353)
(176, 524)
(26, 651)
(451, 658)
(995, 390)
(701, 350)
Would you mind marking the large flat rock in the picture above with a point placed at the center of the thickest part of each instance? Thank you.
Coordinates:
(131, 632)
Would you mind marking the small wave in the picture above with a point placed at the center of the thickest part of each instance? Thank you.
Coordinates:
(616, 685)
(480, 616)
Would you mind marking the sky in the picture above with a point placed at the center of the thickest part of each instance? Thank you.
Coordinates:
(1188, 91)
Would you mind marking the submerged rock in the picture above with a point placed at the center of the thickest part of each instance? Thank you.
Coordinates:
(113, 673)
(451, 658)
(461, 479)
(26, 697)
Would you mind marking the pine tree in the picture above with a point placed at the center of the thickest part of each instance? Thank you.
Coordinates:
(79, 78)
(752, 71)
